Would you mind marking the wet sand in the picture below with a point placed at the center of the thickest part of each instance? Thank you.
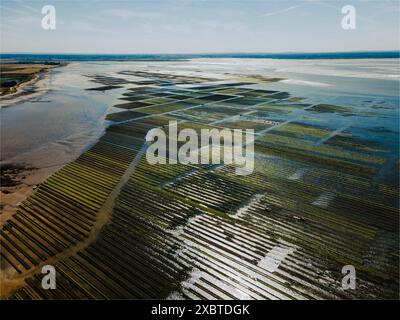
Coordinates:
(29, 89)
(52, 121)
(62, 88)
(245, 210)
(27, 180)
(39, 164)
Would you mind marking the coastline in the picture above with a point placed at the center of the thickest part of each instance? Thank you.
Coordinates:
(35, 169)
(24, 92)
(26, 179)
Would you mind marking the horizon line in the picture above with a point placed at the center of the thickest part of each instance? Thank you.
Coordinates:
(207, 53)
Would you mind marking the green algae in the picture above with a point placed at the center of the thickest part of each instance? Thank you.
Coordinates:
(124, 115)
(304, 130)
(330, 108)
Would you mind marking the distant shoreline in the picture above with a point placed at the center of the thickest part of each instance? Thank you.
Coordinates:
(175, 57)
(23, 93)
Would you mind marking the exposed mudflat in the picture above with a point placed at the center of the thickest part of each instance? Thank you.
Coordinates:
(323, 193)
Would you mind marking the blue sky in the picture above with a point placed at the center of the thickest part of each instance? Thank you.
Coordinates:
(198, 26)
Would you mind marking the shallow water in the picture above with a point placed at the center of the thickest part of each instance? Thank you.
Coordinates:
(56, 126)
(62, 121)
(308, 225)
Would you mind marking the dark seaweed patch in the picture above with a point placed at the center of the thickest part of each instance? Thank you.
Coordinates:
(279, 95)
(9, 173)
(104, 88)
(135, 98)
(179, 97)
(132, 105)
(124, 115)
(216, 97)
(330, 108)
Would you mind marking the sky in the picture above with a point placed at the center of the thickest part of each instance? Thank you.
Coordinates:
(198, 26)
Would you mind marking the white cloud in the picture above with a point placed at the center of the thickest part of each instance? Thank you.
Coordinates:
(274, 13)
(125, 14)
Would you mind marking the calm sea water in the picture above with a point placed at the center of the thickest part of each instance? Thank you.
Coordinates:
(130, 57)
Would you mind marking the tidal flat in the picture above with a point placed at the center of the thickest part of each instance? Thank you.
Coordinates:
(323, 194)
